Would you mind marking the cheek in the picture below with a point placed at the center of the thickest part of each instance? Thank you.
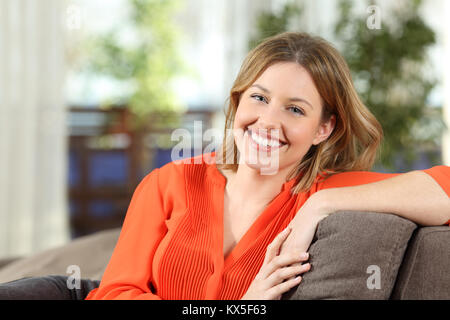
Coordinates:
(240, 121)
(301, 135)
(244, 116)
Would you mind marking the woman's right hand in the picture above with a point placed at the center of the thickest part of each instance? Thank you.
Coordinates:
(269, 283)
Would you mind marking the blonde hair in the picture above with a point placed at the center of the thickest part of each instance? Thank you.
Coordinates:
(354, 142)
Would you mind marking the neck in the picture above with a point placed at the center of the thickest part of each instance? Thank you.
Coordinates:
(249, 186)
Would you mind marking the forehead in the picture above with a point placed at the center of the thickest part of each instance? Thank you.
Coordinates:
(286, 75)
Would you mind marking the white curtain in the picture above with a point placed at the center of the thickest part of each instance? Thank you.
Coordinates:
(33, 204)
(446, 86)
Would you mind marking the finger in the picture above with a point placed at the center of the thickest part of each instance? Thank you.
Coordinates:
(274, 247)
(295, 265)
(283, 287)
(283, 260)
(286, 274)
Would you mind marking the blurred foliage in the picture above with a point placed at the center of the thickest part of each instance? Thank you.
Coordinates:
(147, 60)
(389, 68)
(269, 24)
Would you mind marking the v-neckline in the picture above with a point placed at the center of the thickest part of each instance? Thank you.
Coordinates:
(255, 228)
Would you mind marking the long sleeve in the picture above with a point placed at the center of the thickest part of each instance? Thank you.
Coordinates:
(128, 274)
(440, 174)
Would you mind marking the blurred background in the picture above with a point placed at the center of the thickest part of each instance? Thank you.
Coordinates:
(92, 90)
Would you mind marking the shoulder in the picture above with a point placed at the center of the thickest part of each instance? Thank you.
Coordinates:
(352, 178)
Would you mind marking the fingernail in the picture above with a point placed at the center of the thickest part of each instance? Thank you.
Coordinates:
(305, 255)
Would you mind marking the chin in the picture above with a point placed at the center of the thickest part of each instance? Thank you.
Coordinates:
(264, 165)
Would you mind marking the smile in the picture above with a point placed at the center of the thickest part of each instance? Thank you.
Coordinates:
(263, 144)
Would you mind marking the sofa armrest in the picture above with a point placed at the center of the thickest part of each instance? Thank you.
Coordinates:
(6, 261)
(90, 253)
(425, 271)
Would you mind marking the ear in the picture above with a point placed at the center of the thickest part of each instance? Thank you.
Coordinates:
(325, 129)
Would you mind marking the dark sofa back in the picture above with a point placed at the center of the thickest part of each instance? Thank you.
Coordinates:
(425, 271)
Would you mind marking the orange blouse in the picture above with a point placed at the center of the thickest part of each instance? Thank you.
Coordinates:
(171, 243)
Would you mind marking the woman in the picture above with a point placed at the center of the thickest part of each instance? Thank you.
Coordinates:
(224, 226)
(211, 229)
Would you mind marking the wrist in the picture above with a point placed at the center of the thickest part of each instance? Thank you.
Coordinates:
(318, 206)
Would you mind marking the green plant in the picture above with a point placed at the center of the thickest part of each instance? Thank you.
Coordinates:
(269, 24)
(147, 63)
(389, 68)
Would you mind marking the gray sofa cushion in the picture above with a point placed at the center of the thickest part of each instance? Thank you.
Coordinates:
(425, 272)
(90, 253)
(350, 252)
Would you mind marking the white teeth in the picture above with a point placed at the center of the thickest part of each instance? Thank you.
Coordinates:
(264, 142)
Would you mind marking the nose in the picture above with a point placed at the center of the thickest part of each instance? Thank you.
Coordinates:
(269, 117)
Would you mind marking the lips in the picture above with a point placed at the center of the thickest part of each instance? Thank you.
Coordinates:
(264, 135)
(262, 144)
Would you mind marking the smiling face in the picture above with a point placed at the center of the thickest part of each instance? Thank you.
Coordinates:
(282, 111)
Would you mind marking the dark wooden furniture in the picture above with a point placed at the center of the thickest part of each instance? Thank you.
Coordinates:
(107, 160)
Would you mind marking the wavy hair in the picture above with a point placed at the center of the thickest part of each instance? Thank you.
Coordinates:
(354, 142)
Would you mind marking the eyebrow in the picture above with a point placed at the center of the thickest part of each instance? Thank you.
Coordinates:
(290, 99)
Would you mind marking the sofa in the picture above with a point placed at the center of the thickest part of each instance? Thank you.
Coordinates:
(354, 255)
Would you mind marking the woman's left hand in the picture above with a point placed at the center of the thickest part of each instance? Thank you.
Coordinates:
(304, 224)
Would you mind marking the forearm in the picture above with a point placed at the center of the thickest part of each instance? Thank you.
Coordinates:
(414, 195)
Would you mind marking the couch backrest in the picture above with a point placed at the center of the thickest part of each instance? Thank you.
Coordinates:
(355, 255)
(425, 270)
